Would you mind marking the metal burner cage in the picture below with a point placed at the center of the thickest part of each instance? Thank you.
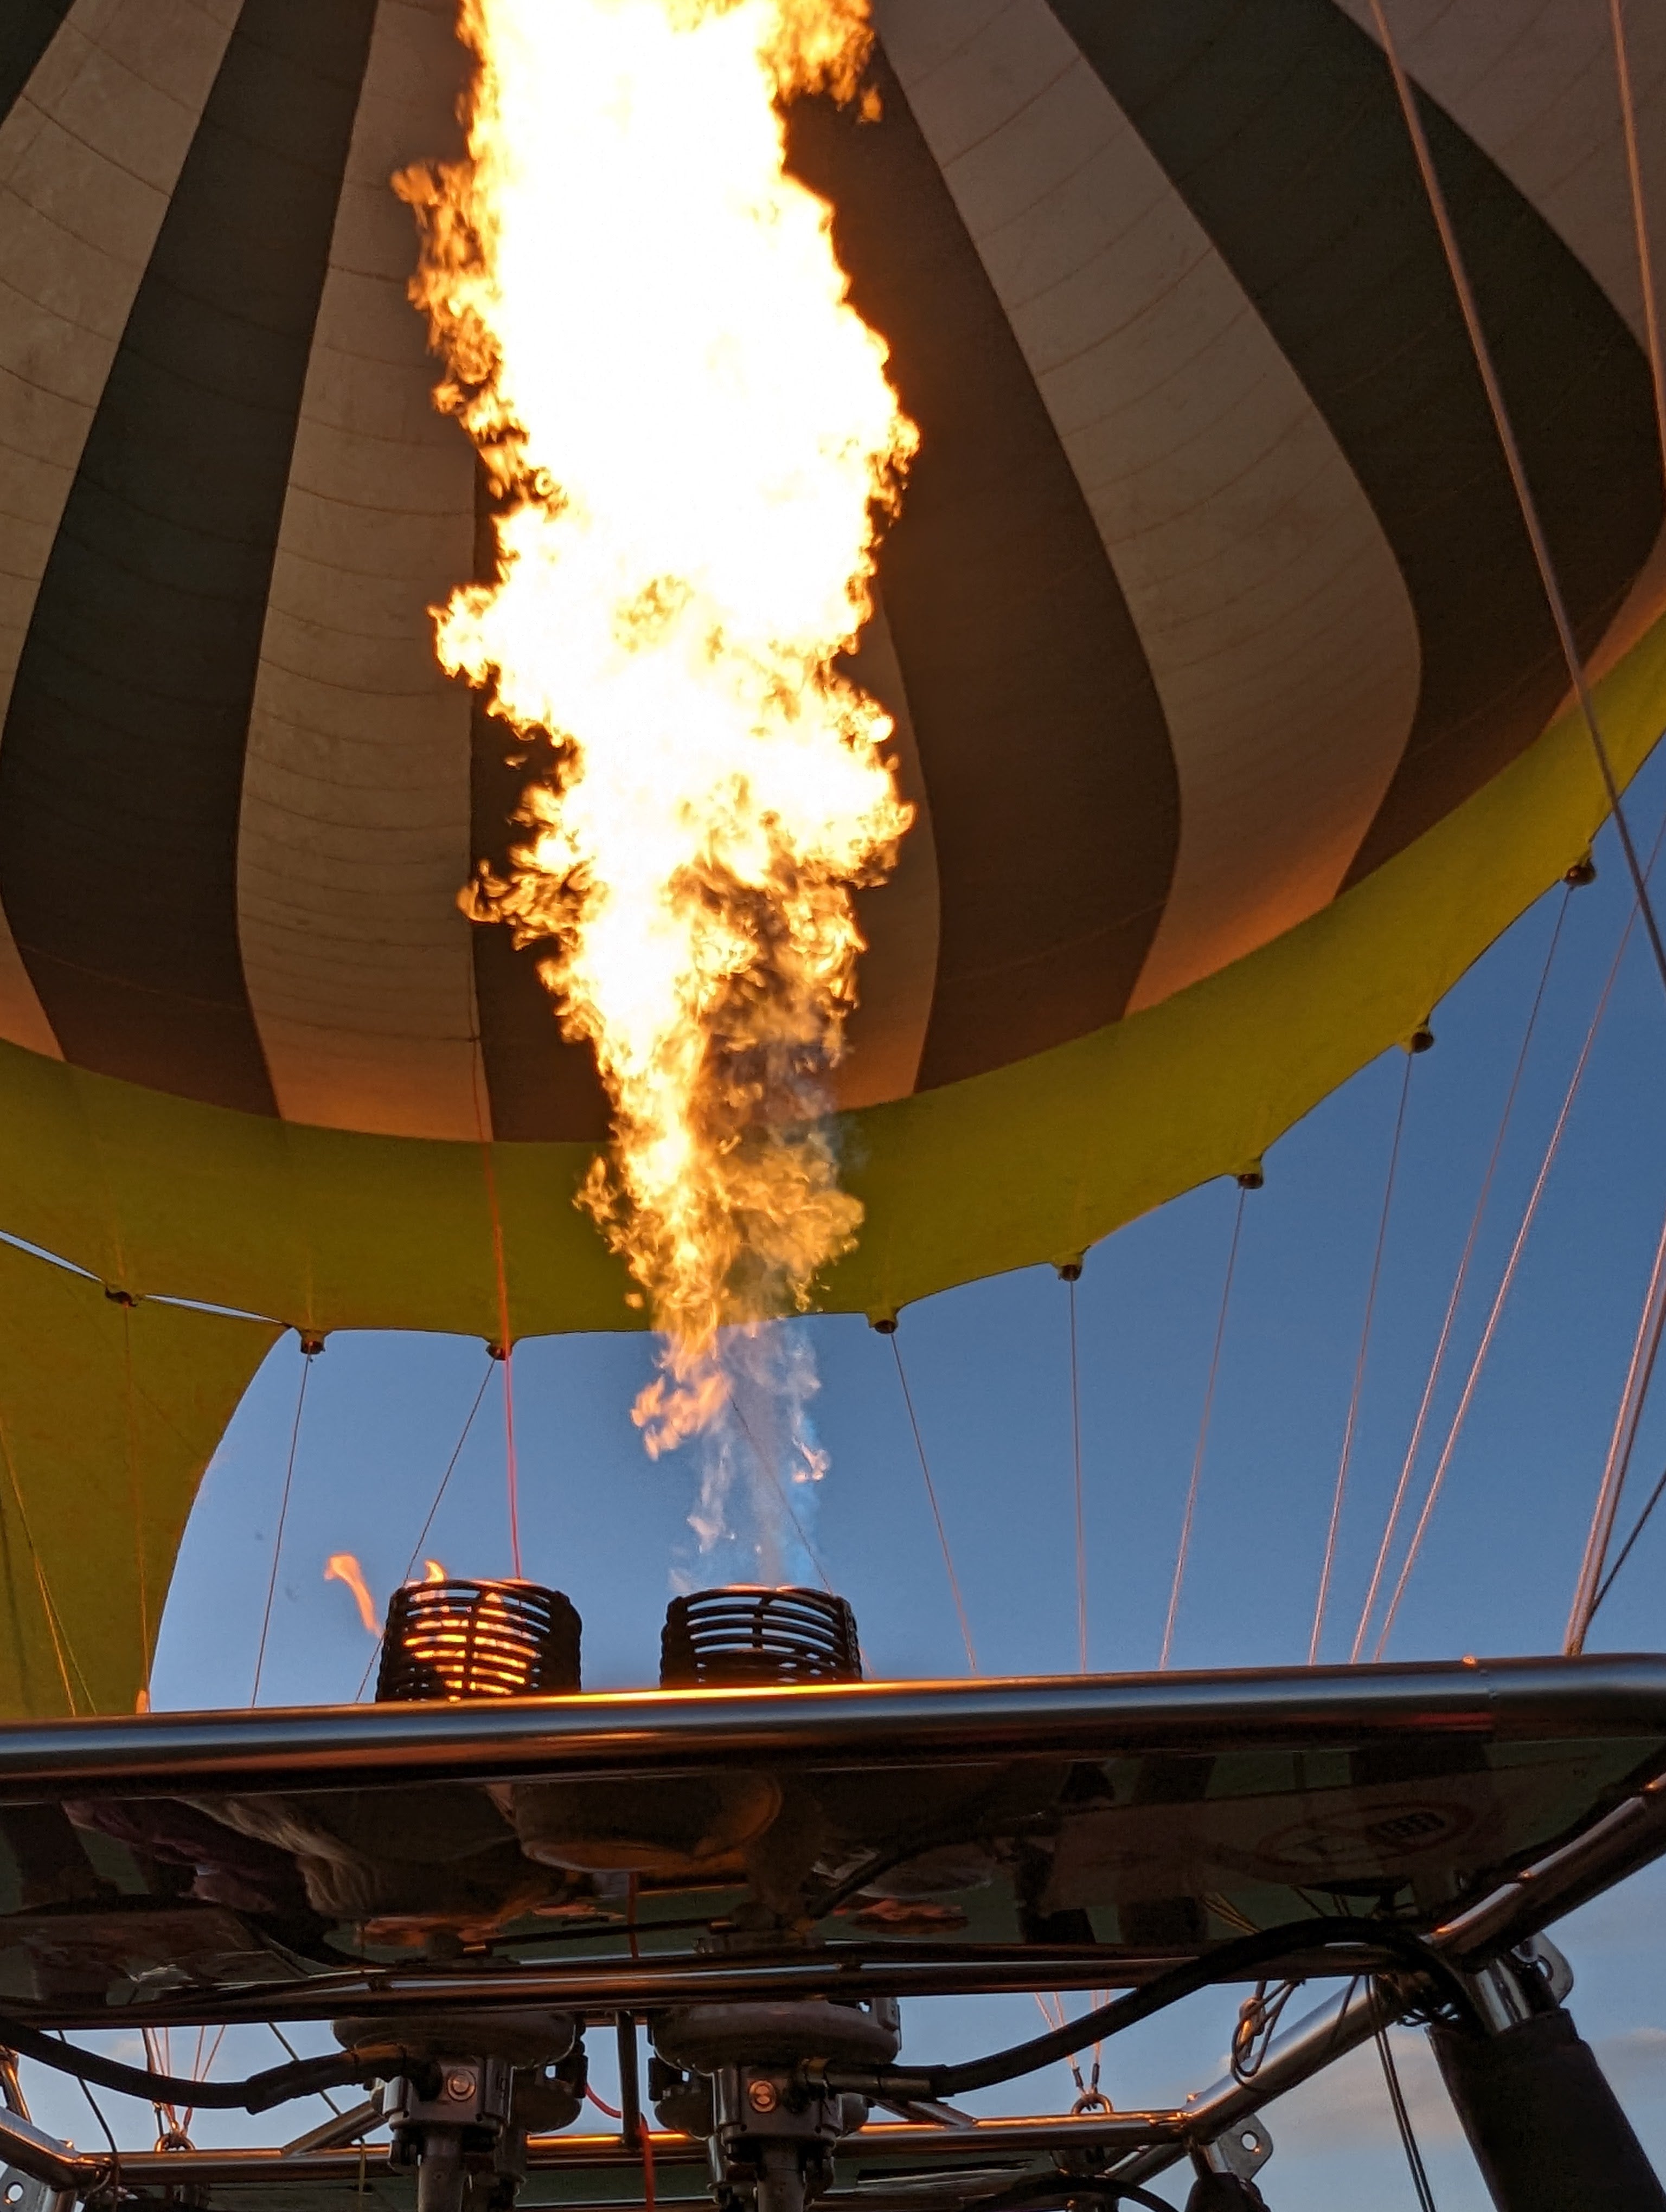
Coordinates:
(448, 1641)
(729, 1638)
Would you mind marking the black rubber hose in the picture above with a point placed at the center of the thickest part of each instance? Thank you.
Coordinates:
(303, 2077)
(1049, 2190)
(1228, 1962)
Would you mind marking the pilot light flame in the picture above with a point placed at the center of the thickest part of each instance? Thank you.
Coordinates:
(344, 1567)
(692, 441)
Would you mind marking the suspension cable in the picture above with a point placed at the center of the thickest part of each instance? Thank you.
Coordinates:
(64, 1652)
(296, 2055)
(1184, 1548)
(1350, 1427)
(1524, 500)
(931, 1495)
(1505, 1283)
(762, 1460)
(309, 1349)
(1402, 2120)
(1592, 1586)
(1437, 1363)
(134, 1483)
(451, 1469)
(1072, 1272)
(1625, 1552)
(439, 1495)
(1640, 217)
(505, 1338)
(1645, 1350)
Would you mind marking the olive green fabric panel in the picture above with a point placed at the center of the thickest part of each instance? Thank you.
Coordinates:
(108, 1416)
(319, 1228)
(1028, 1163)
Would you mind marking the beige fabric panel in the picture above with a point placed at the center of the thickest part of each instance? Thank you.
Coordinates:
(1266, 595)
(899, 918)
(88, 156)
(355, 830)
(1537, 88)
(1534, 83)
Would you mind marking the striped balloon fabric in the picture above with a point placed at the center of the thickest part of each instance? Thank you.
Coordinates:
(1210, 607)
(1226, 682)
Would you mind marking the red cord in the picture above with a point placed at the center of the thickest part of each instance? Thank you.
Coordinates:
(504, 1337)
(648, 2164)
(600, 2105)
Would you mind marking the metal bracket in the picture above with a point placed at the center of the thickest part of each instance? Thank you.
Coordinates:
(1502, 1988)
(1243, 2148)
(1540, 1953)
(22, 2193)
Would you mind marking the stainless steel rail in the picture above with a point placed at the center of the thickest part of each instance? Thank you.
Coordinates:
(603, 1987)
(1628, 1838)
(829, 1726)
(1300, 2052)
(32, 2151)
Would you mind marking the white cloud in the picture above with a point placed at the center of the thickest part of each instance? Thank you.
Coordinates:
(1347, 2106)
(1634, 2062)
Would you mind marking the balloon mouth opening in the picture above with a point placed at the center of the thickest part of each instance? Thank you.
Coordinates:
(743, 1636)
(456, 1639)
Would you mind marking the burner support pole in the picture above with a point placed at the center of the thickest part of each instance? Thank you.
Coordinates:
(1547, 2131)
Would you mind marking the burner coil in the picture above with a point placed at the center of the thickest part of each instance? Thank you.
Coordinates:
(450, 1640)
(734, 1637)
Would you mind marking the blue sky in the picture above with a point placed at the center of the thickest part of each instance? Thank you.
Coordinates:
(988, 1369)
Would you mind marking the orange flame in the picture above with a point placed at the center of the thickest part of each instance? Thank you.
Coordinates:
(473, 1650)
(693, 441)
(343, 1567)
(433, 1571)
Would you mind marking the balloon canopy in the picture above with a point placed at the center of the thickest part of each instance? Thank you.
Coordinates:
(1225, 680)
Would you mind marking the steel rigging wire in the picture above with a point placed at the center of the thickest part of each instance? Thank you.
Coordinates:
(1187, 1520)
(1407, 97)
(766, 1461)
(1070, 1274)
(1512, 1266)
(1622, 71)
(1506, 1282)
(505, 1348)
(421, 1533)
(888, 1329)
(1525, 499)
(1592, 1585)
(310, 1348)
(1402, 2120)
(1437, 1362)
(1350, 1428)
(1638, 1527)
(1645, 1350)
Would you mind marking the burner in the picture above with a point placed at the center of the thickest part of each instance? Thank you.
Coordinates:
(450, 1640)
(734, 1637)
